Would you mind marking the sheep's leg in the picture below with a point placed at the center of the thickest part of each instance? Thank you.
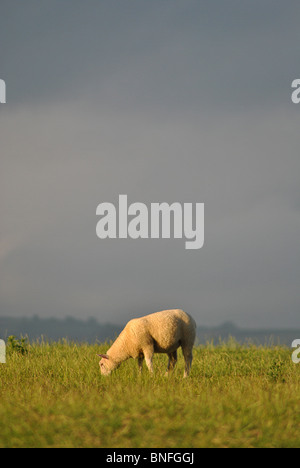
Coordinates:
(148, 353)
(172, 362)
(149, 363)
(188, 357)
(140, 362)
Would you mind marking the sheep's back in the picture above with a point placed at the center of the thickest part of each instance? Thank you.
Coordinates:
(168, 329)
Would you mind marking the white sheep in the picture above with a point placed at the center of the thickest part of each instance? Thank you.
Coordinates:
(161, 332)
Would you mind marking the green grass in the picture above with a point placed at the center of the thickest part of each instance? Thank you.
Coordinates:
(236, 396)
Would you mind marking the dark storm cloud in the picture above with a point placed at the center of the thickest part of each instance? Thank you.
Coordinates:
(164, 101)
(169, 53)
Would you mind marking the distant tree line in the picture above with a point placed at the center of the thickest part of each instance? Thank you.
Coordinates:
(91, 331)
(53, 329)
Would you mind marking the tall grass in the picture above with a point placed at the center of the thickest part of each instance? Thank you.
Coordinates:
(236, 396)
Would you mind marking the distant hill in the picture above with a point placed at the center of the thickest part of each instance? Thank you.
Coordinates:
(91, 330)
(53, 329)
(247, 335)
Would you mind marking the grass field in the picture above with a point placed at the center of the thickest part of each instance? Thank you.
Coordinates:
(236, 396)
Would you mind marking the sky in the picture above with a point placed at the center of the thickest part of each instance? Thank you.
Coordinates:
(165, 101)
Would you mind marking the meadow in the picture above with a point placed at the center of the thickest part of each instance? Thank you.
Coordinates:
(52, 395)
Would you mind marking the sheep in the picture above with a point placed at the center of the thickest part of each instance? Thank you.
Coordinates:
(160, 332)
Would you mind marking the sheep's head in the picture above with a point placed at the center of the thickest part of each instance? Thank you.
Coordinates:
(106, 364)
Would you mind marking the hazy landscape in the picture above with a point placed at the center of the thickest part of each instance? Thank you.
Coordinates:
(149, 161)
(91, 331)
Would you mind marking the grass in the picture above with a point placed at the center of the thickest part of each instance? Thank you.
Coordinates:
(53, 395)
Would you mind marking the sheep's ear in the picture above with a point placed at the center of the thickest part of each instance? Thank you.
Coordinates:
(105, 356)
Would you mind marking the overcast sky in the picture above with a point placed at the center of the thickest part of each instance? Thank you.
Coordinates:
(162, 100)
